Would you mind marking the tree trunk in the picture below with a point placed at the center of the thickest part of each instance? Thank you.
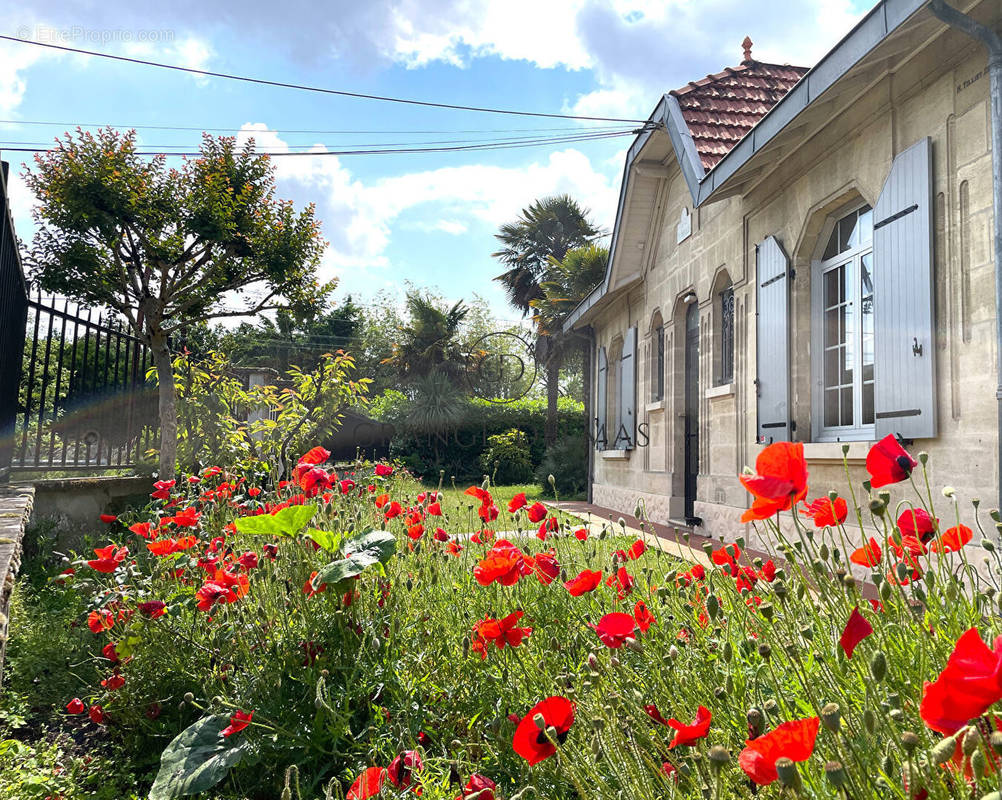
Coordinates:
(552, 393)
(168, 408)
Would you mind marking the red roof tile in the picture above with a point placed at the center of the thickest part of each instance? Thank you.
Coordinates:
(720, 109)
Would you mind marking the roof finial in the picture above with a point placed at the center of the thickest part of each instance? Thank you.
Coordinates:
(746, 44)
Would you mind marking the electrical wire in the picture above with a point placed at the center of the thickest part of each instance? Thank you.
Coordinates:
(316, 89)
(374, 150)
(243, 129)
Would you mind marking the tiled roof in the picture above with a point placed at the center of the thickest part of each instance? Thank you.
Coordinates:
(720, 109)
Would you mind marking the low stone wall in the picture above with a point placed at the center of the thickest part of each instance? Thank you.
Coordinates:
(15, 510)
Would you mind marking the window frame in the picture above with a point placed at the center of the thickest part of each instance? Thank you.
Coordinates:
(819, 267)
(656, 360)
(726, 329)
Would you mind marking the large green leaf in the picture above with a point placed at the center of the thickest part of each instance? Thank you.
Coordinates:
(287, 522)
(197, 759)
(363, 551)
(326, 539)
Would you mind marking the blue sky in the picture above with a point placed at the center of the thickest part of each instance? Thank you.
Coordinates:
(424, 218)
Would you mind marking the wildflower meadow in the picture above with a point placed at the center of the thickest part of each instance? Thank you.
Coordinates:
(353, 634)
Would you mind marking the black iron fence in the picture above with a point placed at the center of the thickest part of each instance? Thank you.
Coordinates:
(73, 388)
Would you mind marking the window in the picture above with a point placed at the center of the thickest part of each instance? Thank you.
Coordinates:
(613, 390)
(842, 329)
(657, 359)
(726, 336)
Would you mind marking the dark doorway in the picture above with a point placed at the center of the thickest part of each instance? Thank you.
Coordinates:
(691, 411)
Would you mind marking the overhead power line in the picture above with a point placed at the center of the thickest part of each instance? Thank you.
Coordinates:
(317, 89)
(372, 150)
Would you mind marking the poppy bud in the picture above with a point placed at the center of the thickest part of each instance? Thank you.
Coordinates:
(786, 769)
(613, 661)
(824, 552)
(909, 741)
(727, 652)
(885, 591)
(551, 480)
(807, 632)
(719, 757)
(765, 651)
(978, 764)
(770, 706)
(835, 773)
(869, 721)
(634, 645)
(673, 652)
(971, 741)
(944, 750)
(877, 508)
(466, 648)
(779, 587)
(594, 663)
(708, 548)
(754, 718)
(712, 606)
(801, 591)
(720, 693)
(540, 721)
(923, 457)
(596, 747)
(887, 765)
(849, 582)
(949, 491)
(831, 717)
(988, 545)
(897, 714)
(189, 697)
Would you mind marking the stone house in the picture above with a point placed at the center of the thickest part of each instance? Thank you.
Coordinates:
(803, 255)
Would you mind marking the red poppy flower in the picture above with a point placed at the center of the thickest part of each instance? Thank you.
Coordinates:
(434, 509)
(316, 455)
(368, 784)
(238, 722)
(536, 512)
(768, 571)
(76, 706)
(441, 535)
(868, 555)
(187, 518)
(952, 539)
(415, 532)
(382, 500)
(643, 617)
(793, 740)
(401, 767)
(547, 568)
(827, 513)
(99, 621)
(888, 462)
(394, 509)
(969, 684)
(108, 558)
(504, 563)
(694, 731)
(517, 502)
(144, 529)
(384, 470)
(110, 653)
(152, 608)
(309, 589)
(270, 550)
(614, 629)
(248, 560)
(780, 481)
(108, 518)
(113, 682)
(455, 548)
(581, 534)
(254, 491)
(532, 743)
(481, 494)
(488, 512)
(97, 715)
(637, 549)
(908, 550)
(586, 581)
(726, 556)
(162, 490)
(224, 587)
(856, 630)
(622, 581)
(479, 787)
(547, 526)
(652, 712)
(499, 631)
(917, 523)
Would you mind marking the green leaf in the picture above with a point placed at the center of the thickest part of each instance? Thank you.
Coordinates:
(287, 522)
(326, 539)
(197, 759)
(374, 547)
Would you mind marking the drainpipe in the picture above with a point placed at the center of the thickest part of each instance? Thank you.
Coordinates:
(993, 44)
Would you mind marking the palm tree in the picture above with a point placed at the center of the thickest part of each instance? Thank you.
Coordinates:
(542, 235)
(429, 340)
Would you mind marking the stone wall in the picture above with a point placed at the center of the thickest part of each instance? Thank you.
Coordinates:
(15, 509)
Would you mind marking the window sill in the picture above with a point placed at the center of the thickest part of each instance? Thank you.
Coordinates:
(724, 390)
(614, 455)
(657, 405)
(832, 451)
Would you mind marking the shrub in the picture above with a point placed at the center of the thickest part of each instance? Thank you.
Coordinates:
(507, 459)
(567, 462)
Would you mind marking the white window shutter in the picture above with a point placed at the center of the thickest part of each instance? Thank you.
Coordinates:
(904, 391)
(601, 388)
(773, 336)
(626, 434)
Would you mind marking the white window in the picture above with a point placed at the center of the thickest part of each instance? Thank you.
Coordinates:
(842, 332)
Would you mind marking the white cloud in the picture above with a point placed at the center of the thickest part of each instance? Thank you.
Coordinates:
(359, 218)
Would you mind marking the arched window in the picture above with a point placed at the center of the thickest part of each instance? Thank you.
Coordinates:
(842, 327)
(656, 359)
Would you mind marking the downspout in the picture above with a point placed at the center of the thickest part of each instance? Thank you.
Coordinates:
(590, 410)
(993, 44)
